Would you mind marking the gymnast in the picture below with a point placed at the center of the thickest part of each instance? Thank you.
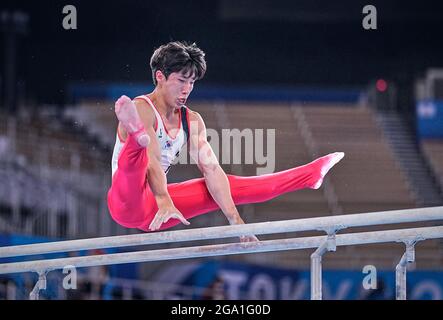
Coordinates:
(152, 131)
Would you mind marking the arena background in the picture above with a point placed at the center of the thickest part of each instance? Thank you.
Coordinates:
(307, 69)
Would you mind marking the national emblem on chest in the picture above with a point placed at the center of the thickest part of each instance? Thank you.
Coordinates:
(167, 145)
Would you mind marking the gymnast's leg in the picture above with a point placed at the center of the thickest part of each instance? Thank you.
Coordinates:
(192, 197)
(130, 199)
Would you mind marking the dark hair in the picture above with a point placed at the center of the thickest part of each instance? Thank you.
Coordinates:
(178, 56)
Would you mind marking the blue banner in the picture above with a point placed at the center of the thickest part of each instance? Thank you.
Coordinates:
(79, 91)
(430, 119)
(249, 282)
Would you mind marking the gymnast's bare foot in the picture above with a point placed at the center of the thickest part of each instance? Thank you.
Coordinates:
(128, 116)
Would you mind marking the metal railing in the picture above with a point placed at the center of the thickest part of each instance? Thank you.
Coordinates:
(331, 225)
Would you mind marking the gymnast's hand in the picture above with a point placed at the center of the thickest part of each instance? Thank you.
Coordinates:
(249, 238)
(234, 218)
(164, 214)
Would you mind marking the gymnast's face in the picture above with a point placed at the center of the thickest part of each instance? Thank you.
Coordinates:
(176, 88)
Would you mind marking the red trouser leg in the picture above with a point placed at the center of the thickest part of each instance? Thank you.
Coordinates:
(130, 200)
(132, 203)
(192, 197)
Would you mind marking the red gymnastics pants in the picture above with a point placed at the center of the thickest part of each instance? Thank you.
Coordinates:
(132, 203)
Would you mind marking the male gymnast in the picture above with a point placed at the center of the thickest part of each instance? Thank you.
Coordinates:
(155, 127)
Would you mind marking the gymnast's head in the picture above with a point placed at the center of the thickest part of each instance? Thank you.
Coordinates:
(175, 68)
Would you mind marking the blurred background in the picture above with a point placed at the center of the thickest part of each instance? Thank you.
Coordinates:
(307, 69)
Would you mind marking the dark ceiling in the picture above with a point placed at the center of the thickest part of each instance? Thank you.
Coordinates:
(246, 42)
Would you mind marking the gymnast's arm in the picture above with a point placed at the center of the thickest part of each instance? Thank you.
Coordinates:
(216, 180)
